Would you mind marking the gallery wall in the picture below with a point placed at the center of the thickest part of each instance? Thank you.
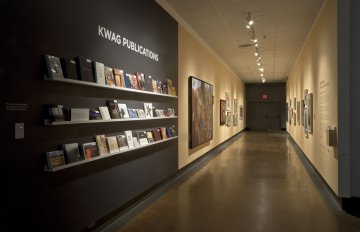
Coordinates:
(196, 60)
(316, 70)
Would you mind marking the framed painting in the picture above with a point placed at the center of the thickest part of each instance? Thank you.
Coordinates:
(235, 119)
(200, 112)
(228, 118)
(222, 112)
(227, 98)
(241, 112)
(235, 106)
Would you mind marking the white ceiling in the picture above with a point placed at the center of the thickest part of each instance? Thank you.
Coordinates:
(281, 26)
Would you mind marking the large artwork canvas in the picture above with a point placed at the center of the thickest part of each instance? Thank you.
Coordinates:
(222, 112)
(201, 112)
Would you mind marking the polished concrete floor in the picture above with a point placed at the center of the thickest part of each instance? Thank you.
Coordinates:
(256, 184)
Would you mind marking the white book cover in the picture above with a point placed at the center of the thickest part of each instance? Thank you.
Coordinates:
(80, 114)
(148, 108)
(129, 138)
(123, 110)
(104, 111)
(100, 73)
(136, 142)
(143, 141)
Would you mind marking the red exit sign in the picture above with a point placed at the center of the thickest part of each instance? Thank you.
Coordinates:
(264, 96)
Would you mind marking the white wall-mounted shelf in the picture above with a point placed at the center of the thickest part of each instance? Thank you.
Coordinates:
(104, 156)
(86, 83)
(104, 121)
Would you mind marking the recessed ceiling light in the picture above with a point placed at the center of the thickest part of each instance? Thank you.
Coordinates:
(261, 69)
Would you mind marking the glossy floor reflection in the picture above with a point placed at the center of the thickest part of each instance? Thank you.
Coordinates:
(256, 184)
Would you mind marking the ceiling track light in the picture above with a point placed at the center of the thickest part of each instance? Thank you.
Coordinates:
(254, 40)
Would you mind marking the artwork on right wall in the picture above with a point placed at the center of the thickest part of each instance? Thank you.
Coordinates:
(308, 112)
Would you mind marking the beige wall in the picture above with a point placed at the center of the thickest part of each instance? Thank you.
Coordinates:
(196, 60)
(316, 70)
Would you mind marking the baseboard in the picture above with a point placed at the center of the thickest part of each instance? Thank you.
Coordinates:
(147, 198)
(319, 181)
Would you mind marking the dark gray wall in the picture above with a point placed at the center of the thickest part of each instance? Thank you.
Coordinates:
(355, 96)
(72, 199)
(266, 114)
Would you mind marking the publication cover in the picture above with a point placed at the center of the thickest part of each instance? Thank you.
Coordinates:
(163, 133)
(148, 108)
(113, 109)
(132, 113)
(69, 68)
(84, 69)
(99, 70)
(109, 76)
(123, 110)
(101, 144)
(54, 69)
(72, 152)
(90, 150)
(140, 113)
(121, 139)
(129, 138)
(55, 159)
(112, 144)
(156, 134)
(128, 81)
(104, 111)
(119, 77)
(149, 137)
(141, 135)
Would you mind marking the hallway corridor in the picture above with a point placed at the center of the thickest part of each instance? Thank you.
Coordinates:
(257, 184)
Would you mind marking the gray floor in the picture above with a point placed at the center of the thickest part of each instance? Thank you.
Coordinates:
(256, 184)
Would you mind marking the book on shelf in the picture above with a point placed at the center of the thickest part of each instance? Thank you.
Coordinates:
(156, 134)
(173, 91)
(123, 110)
(72, 152)
(69, 68)
(84, 69)
(127, 78)
(149, 136)
(132, 113)
(99, 71)
(148, 108)
(154, 86)
(113, 109)
(169, 86)
(101, 144)
(104, 111)
(56, 113)
(173, 131)
(109, 76)
(141, 135)
(95, 114)
(141, 80)
(136, 142)
(148, 84)
(121, 139)
(112, 144)
(133, 81)
(119, 77)
(129, 138)
(159, 86)
(164, 87)
(55, 159)
(90, 150)
(79, 114)
(158, 113)
(163, 133)
(140, 113)
(168, 132)
(53, 66)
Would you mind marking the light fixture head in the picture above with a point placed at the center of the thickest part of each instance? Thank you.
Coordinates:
(258, 64)
(251, 22)
(261, 69)
(256, 45)
(263, 80)
(262, 74)
(256, 54)
(248, 26)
